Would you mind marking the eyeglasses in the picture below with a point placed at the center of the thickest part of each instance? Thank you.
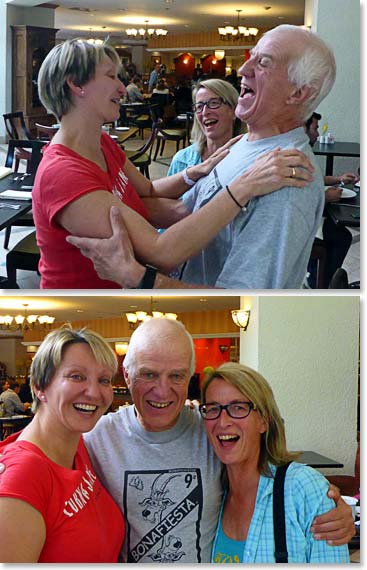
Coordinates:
(237, 410)
(213, 103)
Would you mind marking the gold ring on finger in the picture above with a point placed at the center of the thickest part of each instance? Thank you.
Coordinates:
(293, 172)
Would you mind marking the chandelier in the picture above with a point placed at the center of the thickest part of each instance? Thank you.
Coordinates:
(138, 317)
(94, 41)
(146, 33)
(25, 321)
(237, 33)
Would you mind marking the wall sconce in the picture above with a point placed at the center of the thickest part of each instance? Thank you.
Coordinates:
(223, 348)
(121, 348)
(219, 54)
(241, 318)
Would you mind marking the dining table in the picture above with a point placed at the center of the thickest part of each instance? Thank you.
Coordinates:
(122, 134)
(346, 149)
(14, 208)
(314, 459)
(136, 109)
(345, 212)
(12, 424)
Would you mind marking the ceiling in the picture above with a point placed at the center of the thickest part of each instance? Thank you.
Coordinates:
(73, 308)
(104, 17)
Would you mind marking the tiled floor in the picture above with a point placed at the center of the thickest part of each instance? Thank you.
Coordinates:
(158, 169)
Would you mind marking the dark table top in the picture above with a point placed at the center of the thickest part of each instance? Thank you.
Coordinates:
(337, 149)
(314, 459)
(14, 181)
(345, 212)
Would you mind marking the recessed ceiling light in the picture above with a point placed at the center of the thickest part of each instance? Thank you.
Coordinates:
(202, 300)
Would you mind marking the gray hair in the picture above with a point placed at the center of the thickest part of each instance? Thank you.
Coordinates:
(73, 60)
(313, 65)
(50, 353)
(225, 91)
(138, 338)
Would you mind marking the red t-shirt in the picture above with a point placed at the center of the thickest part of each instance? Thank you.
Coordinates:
(62, 177)
(83, 523)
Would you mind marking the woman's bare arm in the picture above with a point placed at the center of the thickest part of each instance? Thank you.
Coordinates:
(22, 531)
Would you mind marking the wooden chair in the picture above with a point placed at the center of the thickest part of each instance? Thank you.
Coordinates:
(165, 134)
(348, 484)
(17, 129)
(45, 132)
(25, 255)
(35, 158)
(141, 158)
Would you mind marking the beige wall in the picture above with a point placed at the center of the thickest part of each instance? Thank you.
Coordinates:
(307, 348)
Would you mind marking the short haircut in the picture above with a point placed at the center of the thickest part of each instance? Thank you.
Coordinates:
(138, 338)
(316, 116)
(312, 65)
(225, 91)
(257, 390)
(73, 60)
(50, 353)
(13, 385)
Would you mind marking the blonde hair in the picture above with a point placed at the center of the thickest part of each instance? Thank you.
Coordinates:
(229, 94)
(73, 60)
(50, 353)
(255, 388)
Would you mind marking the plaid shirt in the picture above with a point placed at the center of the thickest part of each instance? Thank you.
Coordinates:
(304, 497)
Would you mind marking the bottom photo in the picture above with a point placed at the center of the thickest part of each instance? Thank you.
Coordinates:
(180, 429)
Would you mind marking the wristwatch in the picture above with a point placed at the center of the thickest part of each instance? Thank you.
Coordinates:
(148, 279)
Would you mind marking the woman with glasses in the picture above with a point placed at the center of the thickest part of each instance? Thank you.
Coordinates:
(246, 430)
(84, 173)
(214, 123)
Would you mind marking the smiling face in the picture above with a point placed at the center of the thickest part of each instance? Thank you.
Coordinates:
(103, 92)
(159, 377)
(216, 124)
(80, 391)
(265, 88)
(235, 441)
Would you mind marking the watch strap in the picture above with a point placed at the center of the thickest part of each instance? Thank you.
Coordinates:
(149, 276)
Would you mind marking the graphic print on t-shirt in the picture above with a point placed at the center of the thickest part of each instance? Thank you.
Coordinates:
(163, 509)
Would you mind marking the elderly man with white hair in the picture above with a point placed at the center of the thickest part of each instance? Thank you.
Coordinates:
(290, 71)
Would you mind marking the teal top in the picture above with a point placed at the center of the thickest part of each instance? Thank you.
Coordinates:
(227, 550)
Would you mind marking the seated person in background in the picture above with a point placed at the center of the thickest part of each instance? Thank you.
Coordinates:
(161, 87)
(134, 90)
(25, 393)
(83, 173)
(232, 78)
(268, 244)
(336, 239)
(13, 404)
(246, 430)
(53, 508)
(214, 123)
(5, 384)
(183, 97)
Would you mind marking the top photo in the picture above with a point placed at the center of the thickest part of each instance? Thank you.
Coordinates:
(171, 145)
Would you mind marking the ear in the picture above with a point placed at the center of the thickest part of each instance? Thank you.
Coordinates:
(299, 95)
(264, 424)
(126, 376)
(76, 89)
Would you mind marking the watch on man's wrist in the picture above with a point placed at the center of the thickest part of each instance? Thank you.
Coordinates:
(148, 278)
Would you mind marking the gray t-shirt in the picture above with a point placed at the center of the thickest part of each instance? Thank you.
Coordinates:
(13, 404)
(269, 245)
(166, 483)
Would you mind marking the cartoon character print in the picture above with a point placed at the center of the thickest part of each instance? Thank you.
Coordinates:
(167, 507)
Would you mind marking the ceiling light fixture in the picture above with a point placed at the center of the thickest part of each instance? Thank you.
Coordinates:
(146, 33)
(238, 32)
(134, 319)
(94, 41)
(219, 54)
(25, 321)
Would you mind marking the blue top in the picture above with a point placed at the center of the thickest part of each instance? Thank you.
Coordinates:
(227, 550)
(184, 158)
(305, 496)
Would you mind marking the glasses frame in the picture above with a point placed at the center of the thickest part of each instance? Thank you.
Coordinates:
(208, 104)
(226, 407)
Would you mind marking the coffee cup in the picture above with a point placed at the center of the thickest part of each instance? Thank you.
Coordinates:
(321, 139)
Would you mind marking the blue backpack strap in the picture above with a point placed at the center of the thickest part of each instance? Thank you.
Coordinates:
(280, 536)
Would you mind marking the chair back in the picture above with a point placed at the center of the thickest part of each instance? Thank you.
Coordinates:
(15, 126)
(148, 146)
(339, 280)
(34, 145)
(45, 132)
